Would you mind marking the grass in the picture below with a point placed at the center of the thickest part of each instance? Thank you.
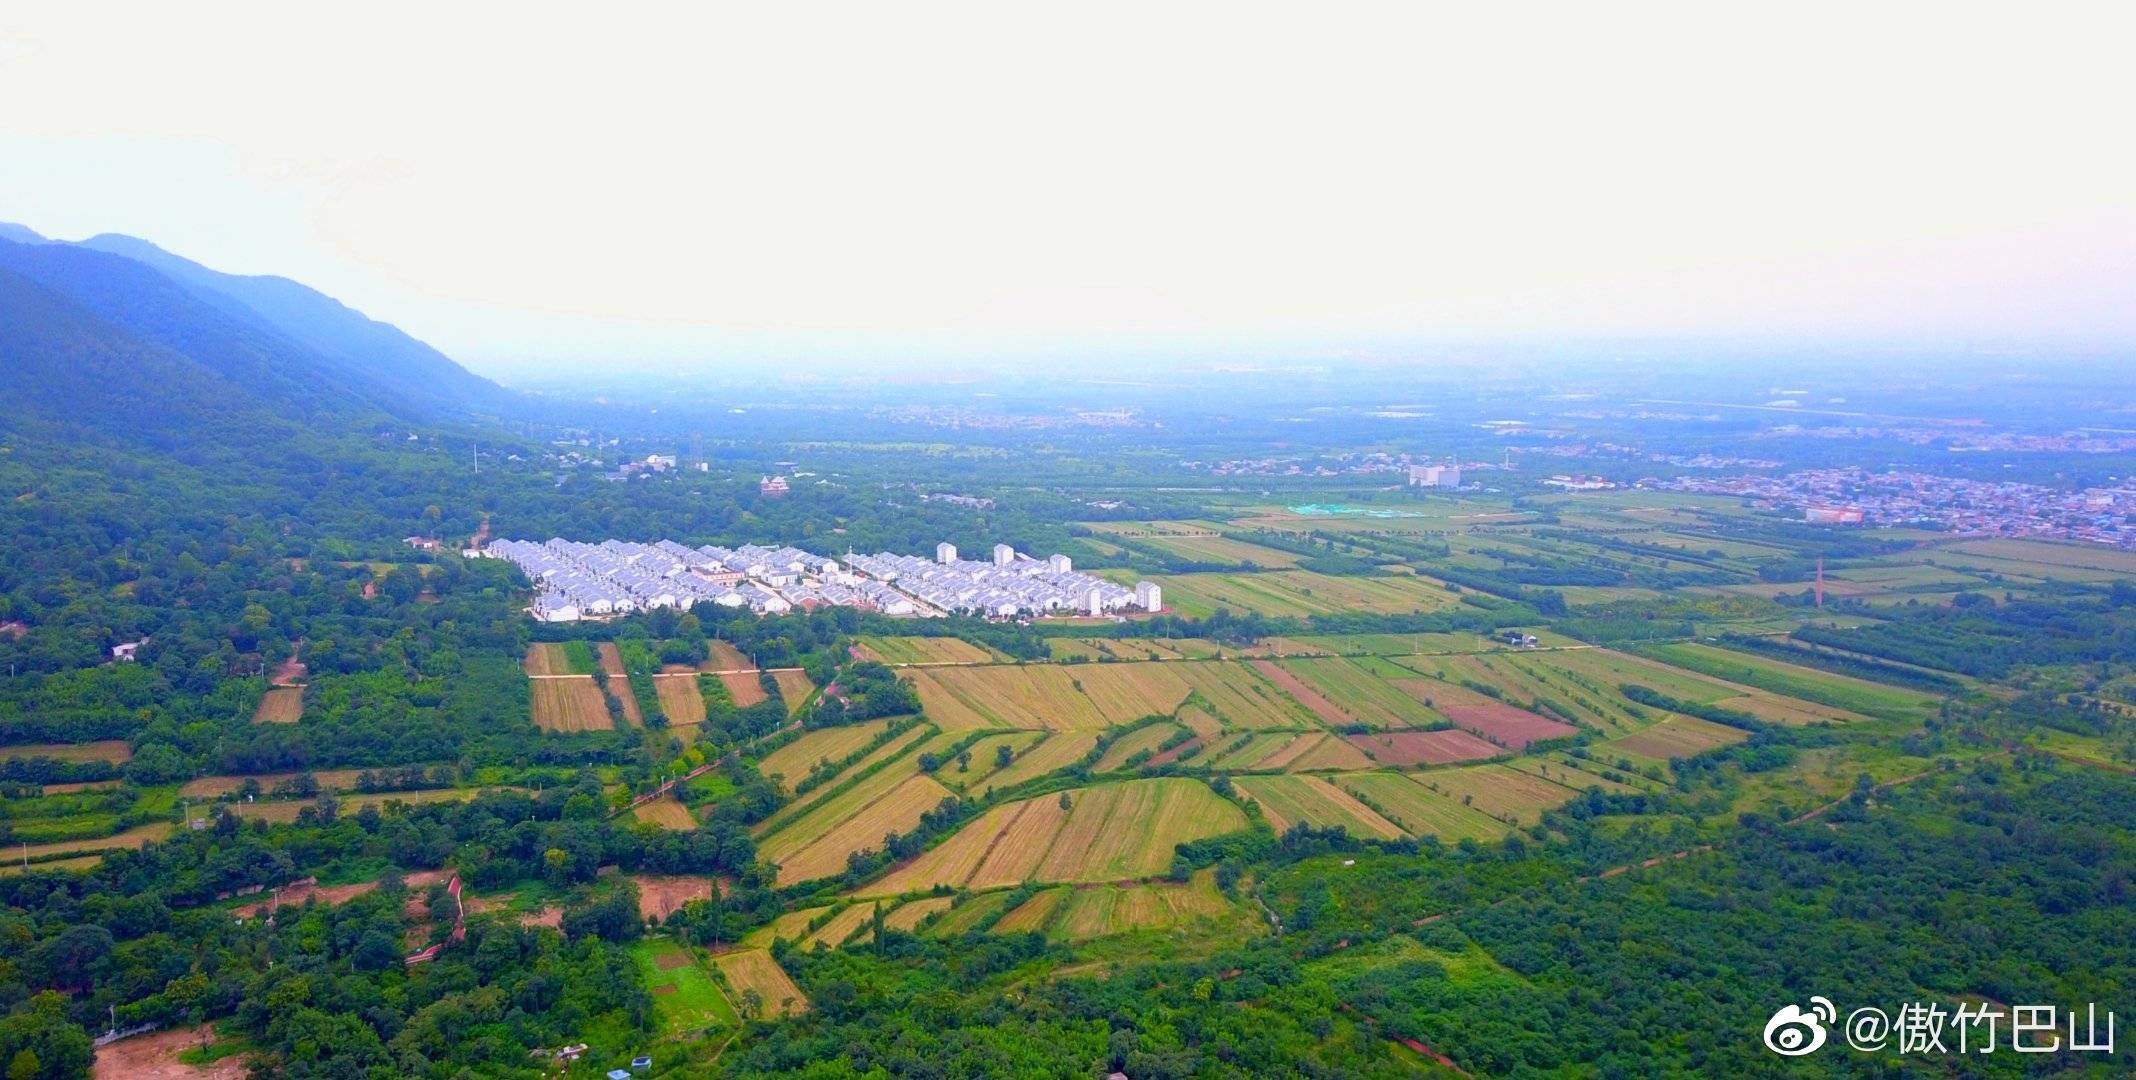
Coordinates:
(685, 996)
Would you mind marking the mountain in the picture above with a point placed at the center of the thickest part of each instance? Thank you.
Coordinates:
(375, 351)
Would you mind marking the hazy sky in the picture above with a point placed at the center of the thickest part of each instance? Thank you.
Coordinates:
(631, 182)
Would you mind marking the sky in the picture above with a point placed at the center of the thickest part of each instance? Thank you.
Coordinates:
(531, 185)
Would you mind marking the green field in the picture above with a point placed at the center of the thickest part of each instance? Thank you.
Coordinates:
(685, 997)
(1808, 684)
(1300, 593)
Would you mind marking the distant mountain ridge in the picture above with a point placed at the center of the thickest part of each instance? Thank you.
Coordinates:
(116, 331)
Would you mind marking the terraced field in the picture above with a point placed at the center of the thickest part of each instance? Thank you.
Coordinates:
(908, 915)
(748, 970)
(1359, 689)
(1675, 736)
(1091, 697)
(924, 650)
(570, 703)
(1134, 742)
(1444, 747)
(794, 688)
(816, 843)
(1310, 800)
(1058, 750)
(1301, 593)
(1111, 832)
(1418, 810)
(680, 700)
(794, 760)
(1498, 790)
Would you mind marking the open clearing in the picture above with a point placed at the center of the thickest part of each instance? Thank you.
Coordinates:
(154, 1056)
(280, 705)
(570, 703)
(1111, 832)
(754, 970)
(666, 813)
(115, 751)
(660, 895)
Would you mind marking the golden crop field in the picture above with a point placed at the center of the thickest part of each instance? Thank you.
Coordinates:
(570, 703)
(1419, 811)
(280, 705)
(794, 688)
(1675, 736)
(1089, 697)
(1293, 800)
(816, 844)
(723, 656)
(833, 744)
(924, 650)
(115, 751)
(680, 699)
(754, 969)
(746, 688)
(666, 813)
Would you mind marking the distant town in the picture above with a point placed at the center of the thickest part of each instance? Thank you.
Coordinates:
(575, 580)
(2099, 515)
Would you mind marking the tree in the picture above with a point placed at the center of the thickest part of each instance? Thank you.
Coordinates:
(24, 1065)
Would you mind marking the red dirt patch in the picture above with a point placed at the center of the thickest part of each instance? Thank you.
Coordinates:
(1424, 747)
(664, 988)
(551, 917)
(154, 1056)
(1307, 696)
(661, 895)
(669, 961)
(1507, 725)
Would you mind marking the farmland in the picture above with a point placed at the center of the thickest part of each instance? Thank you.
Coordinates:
(746, 688)
(685, 996)
(1418, 810)
(1110, 832)
(794, 760)
(280, 705)
(1402, 748)
(113, 751)
(1358, 690)
(666, 813)
(1676, 736)
(815, 844)
(756, 978)
(1310, 800)
(923, 650)
(680, 700)
(1300, 593)
(1808, 684)
(569, 703)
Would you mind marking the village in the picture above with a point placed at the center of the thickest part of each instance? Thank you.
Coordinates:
(575, 580)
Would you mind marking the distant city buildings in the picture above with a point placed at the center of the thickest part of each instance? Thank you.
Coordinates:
(1435, 476)
(2104, 515)
(772, 485)
(614, 577)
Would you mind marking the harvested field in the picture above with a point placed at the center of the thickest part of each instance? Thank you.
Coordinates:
(115, 751)
(794, 760)
(1059, 750)
(1242, 697)
(1565, 775)
(551, 917)
(1403, 748)
(1420, 811)
(1032, 915)
(749, 970)
(1358, 692)
(794, 688)
(1507, 725)
(211, 787)
(1095, 648)
(1293, 747)
(1200, 721)
(909, 915)
(1111, 832)
(963, 917)
(1089, 697)
(154, 1056)
(1294, 800)
(1675, 737)
(1305, 695)
(79, 786)
(667, 813)
(1331, 752)
(680, 700)
(1242, 750)
(841, 926)
(985, 759)
(723, 656)
(1135, 742)
(1301, 593)
(746, 688)
(571, 703)
(77, 863)
(816, 844)
(924, 650)
(280, 705)
(548, 658)
(1502, 792)
(136, 837)
(286, 810)
(792, 925)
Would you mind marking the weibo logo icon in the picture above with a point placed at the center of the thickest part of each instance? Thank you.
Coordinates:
(1793, 1032)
